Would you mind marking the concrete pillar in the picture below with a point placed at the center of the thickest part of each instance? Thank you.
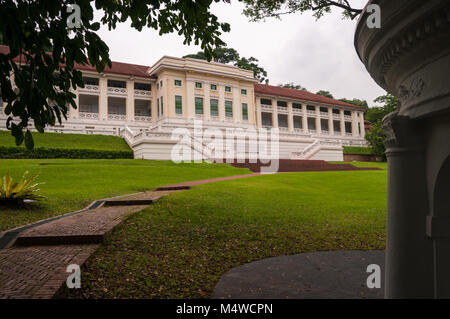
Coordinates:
(74, 113)
(237, 111)
(355, 124)
(221, 103)
(343, 133)
(409, 252)
(305, 119)
(130, 101)
(318, 121)
(363, 129)
(206, 103)
(330, 121)
(274, 114)
(190, 99)
(290, 118)
(258, 113)
(103, 99)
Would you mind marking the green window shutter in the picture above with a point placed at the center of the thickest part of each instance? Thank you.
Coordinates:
(214, 107)
(178, 104)
(244, 111)
(198, 105)
(228, 109)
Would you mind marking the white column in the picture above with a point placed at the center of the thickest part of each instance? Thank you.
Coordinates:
(355, 124)
(363, 128)
(258, 113)
(103, 99)
(206, 103)
(74, 113)
(330, 121)
(343, 133)
(274, 114)
(290, 118)
(130, 101)
(305, 119)
(190, 99)
(318, 122)
(237, 107)
(222, 103)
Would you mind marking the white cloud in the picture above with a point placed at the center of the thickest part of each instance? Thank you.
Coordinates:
(319, 55)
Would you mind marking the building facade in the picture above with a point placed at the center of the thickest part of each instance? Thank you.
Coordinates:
(146, 104)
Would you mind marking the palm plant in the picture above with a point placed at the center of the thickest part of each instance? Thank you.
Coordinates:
(16, 193)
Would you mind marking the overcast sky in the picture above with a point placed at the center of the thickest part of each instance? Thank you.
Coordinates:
(318, 55)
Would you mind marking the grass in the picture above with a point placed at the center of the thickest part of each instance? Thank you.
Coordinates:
(73, 184)
(70, 141)
(355, 150)
(180, 246)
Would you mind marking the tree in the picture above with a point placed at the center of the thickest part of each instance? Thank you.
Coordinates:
(293, 86)
(258, 10)
(226, 55)
(30, 76)
(375, 137)
(357, 102)
(325, 93)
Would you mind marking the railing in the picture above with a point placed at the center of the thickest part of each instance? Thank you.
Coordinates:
(336, 133)
(284, 129)
(311, 112)
(336, 116)
(266, 107)
(325, 132)
(118, 91)
(117, 117)
(88, 116)
(142, 93)
(90, 89)
(312, 132)
(310, 147)
(141, 118)
(324, 114)
(282, 109)
(347, 117)
(297, 111)
(349, 134)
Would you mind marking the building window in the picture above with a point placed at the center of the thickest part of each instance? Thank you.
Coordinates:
(228, 89)
(213, 87)
(90, 81)
(310, 108)
(266, 119)
(162, 106)
(198, 85)
(298, 122)
(311, 124)
(88, 103)
(199, 105)
(282, 103)
(142, 108)
(160, 84)
(117, 84)
(117, 106)
(297, 106)
(228, 109)
(142, 86)
(337, 126)
(244, 92)
(324, 110)
(266, 102)
(282, 121)
(347, 113)
(324, 125)
(348, 128)
(178, 104)
(214, 105)
(336, 111)
(245, 111)
(177, 82)
(359, 128)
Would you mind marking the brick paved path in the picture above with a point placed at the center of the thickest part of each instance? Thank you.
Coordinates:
(35, 267)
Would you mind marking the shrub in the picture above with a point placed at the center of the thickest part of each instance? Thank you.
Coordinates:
(354, 150)
(18, 192)
(7, 152)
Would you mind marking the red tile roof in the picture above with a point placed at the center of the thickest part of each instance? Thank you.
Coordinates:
(116, 67)
(300, 95)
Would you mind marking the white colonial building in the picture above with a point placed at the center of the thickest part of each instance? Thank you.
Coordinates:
(145, 104)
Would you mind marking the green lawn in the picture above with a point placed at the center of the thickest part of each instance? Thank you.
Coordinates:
(73, 184)
(180, 246)
(72, 141)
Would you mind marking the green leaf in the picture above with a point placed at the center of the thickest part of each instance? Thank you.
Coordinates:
(29, 142)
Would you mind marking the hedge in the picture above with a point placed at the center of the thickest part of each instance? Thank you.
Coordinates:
(21, 152)
(354, 150)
